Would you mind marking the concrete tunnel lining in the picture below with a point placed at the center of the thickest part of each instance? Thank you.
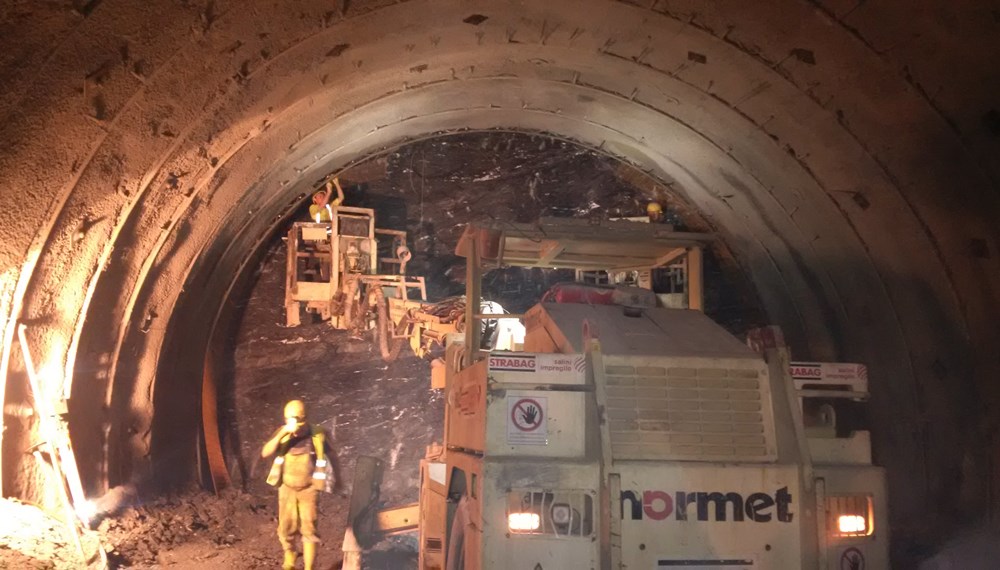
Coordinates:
(224, 269)
(231, 245)
(768, 168)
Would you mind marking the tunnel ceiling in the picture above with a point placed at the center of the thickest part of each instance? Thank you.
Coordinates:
(847, 152)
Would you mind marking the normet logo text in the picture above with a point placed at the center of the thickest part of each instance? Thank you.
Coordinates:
(704, 506)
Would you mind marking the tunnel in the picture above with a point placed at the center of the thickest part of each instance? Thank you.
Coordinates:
(846, 154)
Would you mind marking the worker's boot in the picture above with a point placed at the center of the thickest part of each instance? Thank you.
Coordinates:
(289, 563)
(309, 554)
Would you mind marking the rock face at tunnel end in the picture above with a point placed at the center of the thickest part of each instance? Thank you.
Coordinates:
(847, 155)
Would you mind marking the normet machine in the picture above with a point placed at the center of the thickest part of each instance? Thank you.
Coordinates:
(628, 435)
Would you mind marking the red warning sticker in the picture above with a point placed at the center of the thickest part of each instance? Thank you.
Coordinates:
(527, 421)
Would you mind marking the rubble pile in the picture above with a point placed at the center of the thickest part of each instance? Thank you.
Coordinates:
(140, 533)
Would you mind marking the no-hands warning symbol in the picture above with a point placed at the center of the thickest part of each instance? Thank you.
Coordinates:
(527, 414)
(527, 423)
(852, 559)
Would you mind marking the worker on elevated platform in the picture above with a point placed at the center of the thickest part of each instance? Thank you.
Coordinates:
(302, 468)
(655, 212)
(321, 210)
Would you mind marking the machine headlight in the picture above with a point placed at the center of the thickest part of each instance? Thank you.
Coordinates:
(850, 516)
(523, 522)
(851, 524)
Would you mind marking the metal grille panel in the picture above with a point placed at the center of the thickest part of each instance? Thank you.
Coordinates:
(433, 544)
(697, 413)
(560, 513)
(854, 506)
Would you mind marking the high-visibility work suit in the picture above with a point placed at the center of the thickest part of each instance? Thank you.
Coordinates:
(299, 472)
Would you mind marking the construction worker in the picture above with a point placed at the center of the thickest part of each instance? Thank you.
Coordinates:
(300, 471)
(655, 212)
(320, 210)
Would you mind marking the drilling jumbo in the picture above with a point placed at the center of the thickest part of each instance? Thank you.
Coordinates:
(630, 431)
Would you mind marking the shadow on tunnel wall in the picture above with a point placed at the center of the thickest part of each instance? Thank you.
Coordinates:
(929, 412)
(133, 433)
(198, 345)
(101, 407)
(220, 363)
(952, 426)
(928, 430)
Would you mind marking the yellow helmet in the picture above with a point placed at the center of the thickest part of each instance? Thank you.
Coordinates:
(295, 409)
(653, 207)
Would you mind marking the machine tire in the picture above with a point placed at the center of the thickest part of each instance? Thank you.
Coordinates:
(350, 307)
(397, 343)
(456, 538)
(382, 327)
(388, 346)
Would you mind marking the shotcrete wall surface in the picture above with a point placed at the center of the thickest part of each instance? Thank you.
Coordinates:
(846, 153)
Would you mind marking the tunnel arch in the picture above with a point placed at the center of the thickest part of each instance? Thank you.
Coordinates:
(780, 124)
